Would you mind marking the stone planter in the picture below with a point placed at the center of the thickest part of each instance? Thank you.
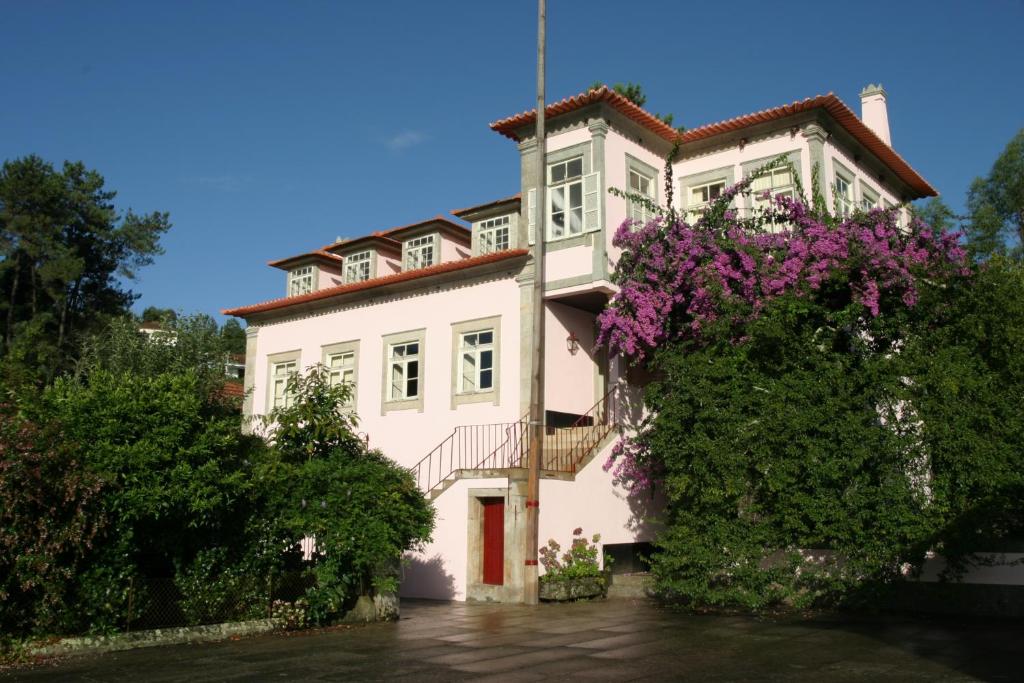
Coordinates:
(565, 590)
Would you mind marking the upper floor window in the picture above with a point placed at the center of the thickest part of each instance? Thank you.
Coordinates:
(419, 252)
(700, 196)
(641, 184)
(565, 208)
(357, 266)
(404, 371)
(281, 373)
(844, 195)
(779, 181)
(300, 281)
(476, 361)
(493, 234)
(341, 369)
(868, 198)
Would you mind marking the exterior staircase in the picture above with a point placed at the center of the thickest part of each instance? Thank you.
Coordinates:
(481, 451)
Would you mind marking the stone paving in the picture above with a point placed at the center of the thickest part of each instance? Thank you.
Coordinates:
(620, 640)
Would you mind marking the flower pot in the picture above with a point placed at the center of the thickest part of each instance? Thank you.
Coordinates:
(564, 590)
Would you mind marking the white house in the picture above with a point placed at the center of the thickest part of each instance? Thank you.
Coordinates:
(431, 323)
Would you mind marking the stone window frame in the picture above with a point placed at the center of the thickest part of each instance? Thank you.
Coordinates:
(293, 356)
(293, 274)
(351, 346)
(492, 395)
(387, 341)
(634, 165)
(726, 174)
(848, 176)
(585, 151)
(436, 245)
(478, 228)
(793, 156)
(871, 195)
(369, 260)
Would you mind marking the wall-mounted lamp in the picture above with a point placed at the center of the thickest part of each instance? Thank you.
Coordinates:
(572, 343)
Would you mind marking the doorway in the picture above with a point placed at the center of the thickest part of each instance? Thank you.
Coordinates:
(494, 541)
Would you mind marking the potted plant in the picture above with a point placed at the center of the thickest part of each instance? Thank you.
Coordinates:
(577, 574)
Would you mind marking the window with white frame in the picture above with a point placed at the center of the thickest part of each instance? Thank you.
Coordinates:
(404, 371)
(641, 184)
(300, 281)
(844, 194)
(281, 374)
(699, 196)
(493, 234)
(341, 369)
(868, 198)
(778, 181)
(357, 266)
(476, 362)
(565, 204)
(419, 252)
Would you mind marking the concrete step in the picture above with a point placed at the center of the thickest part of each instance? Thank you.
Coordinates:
(631, 586)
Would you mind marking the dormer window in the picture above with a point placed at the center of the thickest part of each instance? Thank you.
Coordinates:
(493, 234)
(420, 252)
(300, 281)
(357, 266)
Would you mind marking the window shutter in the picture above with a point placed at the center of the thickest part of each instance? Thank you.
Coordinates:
(531, 216)
(592, 202)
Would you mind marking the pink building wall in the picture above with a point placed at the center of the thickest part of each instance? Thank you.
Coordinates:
(328, 276)
(406, 436)
(453, 250)
(388, 263)
(569, 378)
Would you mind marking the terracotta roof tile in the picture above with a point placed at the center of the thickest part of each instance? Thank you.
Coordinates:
(446, 267)
(318, 255)
(830, 103)
(233, 390)
(517, 197)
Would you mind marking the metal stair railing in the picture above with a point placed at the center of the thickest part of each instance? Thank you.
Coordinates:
(502, 445)
(565, 448)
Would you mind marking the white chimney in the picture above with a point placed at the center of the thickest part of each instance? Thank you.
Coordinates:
(873, 111)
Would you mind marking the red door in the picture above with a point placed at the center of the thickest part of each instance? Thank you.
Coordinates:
(494, 540)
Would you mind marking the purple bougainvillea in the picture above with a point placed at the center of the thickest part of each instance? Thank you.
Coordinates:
(677, 280)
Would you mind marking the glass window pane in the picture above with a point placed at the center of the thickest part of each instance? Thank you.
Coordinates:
(486, 337)
(412, 349)
(576, 221)
(575, 168)
(557, 173)
(576, 195)
(485, 379)
(486, 358)
(413, 369)
(413, 388)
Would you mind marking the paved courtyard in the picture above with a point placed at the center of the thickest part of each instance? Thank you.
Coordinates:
(617, 640)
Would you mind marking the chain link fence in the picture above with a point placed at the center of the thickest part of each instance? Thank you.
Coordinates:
(161, 602)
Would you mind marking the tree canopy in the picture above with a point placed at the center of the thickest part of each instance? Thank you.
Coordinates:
(996, 204)
(64, 250)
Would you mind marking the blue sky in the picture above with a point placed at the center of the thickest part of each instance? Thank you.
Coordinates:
(269, 128)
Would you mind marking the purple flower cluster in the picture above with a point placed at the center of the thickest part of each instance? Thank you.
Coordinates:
(675, 278)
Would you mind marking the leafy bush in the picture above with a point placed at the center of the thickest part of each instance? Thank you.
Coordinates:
(50, 519)
(290, 616)
(579, 561)
(831, 402)
(363, 509)
(214, 590)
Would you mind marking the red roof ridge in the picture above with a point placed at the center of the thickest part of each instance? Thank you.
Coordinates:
(446, 267)
(830, 103)
(507, 126)
(316, 252)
